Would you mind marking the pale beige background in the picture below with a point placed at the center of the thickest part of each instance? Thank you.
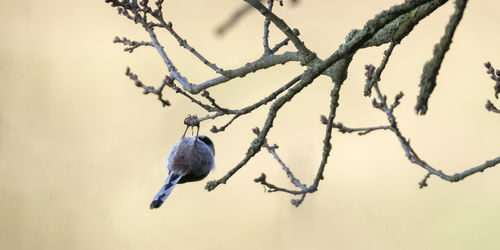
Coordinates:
(82, 151)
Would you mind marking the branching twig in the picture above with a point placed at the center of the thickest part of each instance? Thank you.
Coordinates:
(184, 43)
(273, 188)
(495, 76)
(381, 104)
(283, 43)
(272, 151)
(267, 50)
(214, 129)
(171, 68)
(263, 62)
(148, 89)
(307, 54)
(252, 107)
(170, 83)
(423, 182)
(374, 77)
(286, 169)
(131, 45)
(389, 26)
(309, 75)
(212, 101)
(414, 158)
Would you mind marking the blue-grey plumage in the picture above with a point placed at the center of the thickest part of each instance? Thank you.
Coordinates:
(191, 159)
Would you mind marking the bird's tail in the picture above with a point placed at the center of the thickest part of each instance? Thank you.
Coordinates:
(165, 191)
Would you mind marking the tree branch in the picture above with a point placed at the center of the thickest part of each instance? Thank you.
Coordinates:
(267, 50)
(431, 68)
(313, 71)
(306, 54)
(389, 26)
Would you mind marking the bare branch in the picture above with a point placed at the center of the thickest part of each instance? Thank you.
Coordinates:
(361, 131)
(264, 62)
(345, 50)
(414, 158)
(214, 129)
(184, 43)
(148, 89)
(284, 42)
(306, 53)
(131, 45)
(272, 151)
(256, 144)
(495, 76)
(412, 155)
(423, 182)
(400, 27)
(431, 68)
(273, 188)
(170, 83)
(171, 68)
(389, 26)
(295, 181)
(252, 107)
(261, 63)
(267, 50)
(291, 176)
(374, 77)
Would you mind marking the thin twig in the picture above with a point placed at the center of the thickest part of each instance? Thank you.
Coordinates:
(375, 78)
(207, 96)
(295, 181)
(284, 42)
(185, 44)
(148, 89)
(272, 151)
(291, 176)
(214, 129)
(267, 50)
(254, 106)
(273, 188)
(171, 68)
(423, 182)
(130, 45)
(495, 76)
(171, 84)
(281, 25)
(361, 131)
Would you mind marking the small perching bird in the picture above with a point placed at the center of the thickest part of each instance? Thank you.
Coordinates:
(191, 159)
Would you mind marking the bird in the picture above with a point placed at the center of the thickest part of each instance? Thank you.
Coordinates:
(191, 159)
